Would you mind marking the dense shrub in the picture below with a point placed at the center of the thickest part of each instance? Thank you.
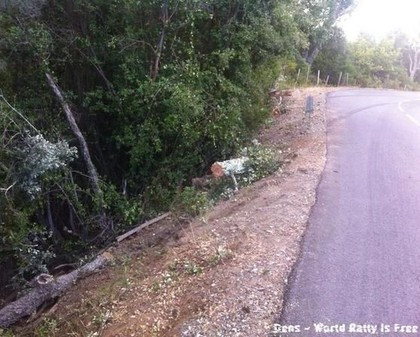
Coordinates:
(262, 161)
(369, 63)
(159, 89)
(191, 202)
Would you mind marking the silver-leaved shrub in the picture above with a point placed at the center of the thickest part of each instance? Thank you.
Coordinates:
(38, 157)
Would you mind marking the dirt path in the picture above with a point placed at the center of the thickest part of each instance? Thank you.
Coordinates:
(223, 275)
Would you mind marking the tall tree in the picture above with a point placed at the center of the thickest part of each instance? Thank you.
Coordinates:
(377, 63)
(334, 57)
(324, 15)
(413, 53)
(410, 52)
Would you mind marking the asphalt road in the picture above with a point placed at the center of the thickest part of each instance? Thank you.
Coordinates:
(360, 260)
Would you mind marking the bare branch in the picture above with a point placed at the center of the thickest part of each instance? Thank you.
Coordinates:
(138, 42)
(19, 114)
(6, 190)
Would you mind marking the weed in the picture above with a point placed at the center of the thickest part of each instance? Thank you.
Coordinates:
(102, 318)
(193, 269)
(222, 253)
(125, 260)
(169, 278)
(126, 282)
(174, 266)
(6, 333)
(93, 334)
(47, 328)
(156, 286)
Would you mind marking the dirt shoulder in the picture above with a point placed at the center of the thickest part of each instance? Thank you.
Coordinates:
(222, 275)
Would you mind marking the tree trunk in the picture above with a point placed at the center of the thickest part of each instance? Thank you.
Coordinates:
(51, 225)
(159, 47)
(28, 304)
(93, 174)
(229, 167)
(314, 53)
(413, 55)
(338, 10)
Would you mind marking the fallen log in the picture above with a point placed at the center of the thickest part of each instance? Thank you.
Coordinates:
(47, 288)
(229, 167)
(139, 228)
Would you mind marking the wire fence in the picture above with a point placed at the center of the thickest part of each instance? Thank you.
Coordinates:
(307, 77)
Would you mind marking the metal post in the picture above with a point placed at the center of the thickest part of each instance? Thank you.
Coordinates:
(309, 106)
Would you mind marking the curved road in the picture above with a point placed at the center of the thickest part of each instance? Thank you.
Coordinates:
(360, 263)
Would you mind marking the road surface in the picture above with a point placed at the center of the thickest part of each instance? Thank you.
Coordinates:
(360, 263)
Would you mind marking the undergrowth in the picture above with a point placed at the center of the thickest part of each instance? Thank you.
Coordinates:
(261, 162)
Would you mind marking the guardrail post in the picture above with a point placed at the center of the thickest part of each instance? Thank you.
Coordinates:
(309, 106)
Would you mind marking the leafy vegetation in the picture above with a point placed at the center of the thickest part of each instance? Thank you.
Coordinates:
(110, 108)
(261, 162)
(145, 95)
(368, 63)
(191, 201)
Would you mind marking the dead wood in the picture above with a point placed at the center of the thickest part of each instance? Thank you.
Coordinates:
(48, 288)
(142, 226)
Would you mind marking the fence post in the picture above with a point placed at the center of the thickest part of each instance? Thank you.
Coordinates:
(298, 76)
(317, 80)
(339, 79)
(327, 79)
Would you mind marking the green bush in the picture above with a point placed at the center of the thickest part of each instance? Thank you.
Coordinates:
(221, 189)
(33, 252)
(191, 202)
(47, 328)
(262, 162)
(154, 115)
(126, 211)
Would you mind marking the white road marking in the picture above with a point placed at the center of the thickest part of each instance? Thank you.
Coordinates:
(411, 118)
(400, 106)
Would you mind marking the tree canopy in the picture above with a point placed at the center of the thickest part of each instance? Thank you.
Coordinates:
(110, 107)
